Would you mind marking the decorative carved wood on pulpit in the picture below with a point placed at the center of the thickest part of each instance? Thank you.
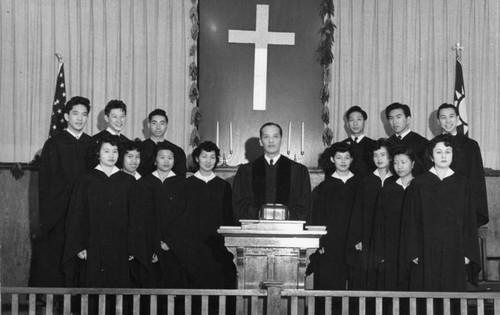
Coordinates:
(272, 251)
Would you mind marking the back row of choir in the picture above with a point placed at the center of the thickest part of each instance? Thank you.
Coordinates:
(103, 225)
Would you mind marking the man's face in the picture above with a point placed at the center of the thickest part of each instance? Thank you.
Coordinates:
(270, 140)
(77, 118)
(448, 120)
(398, 121)
(158, 126)
(356, 123)
(116, 119)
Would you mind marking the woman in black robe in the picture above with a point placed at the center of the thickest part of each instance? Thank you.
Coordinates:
(387, 221)
(332, 205)
(439, 241)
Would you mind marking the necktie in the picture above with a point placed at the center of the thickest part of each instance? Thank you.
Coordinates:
(356, 139)
(271, 162)
(399, 138)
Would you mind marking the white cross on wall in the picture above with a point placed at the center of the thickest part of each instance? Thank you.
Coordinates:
(261, 37)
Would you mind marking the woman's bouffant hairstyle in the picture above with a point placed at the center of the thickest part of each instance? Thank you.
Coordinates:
(325, 161)
(207, 146)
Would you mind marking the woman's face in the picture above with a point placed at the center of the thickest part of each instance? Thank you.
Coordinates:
(442, 156)
(131, 161)
(165, 160)
(342, 161)
(108, 154)
(403, 165)
(207, 160)
(381, 158)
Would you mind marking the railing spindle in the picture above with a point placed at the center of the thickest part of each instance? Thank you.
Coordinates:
(345, 305)
(328, 305)
(222, 305)
(395, 306)
(153, 304)
(463, 306)
(49, 304)
(480, 307)
(102, 304)
(362, 305)
(84, 306)
(413, 306)
(310, 305)
(446, 306)
(294, 305)
(254, 308)
(378, 306)
(15, 304)
(187, 304)
(32, 304)
(429, 305)
(171, 304)
(204, 304)
(136, 304)
(119, 304)
(497, 306)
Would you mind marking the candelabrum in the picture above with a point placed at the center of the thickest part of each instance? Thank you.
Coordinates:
(295, 157)
(224, 159)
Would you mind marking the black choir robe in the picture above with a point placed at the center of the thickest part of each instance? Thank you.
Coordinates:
(62, 162)
(99, 221)
(362, 164)
(439, 227)
(468, 162)
(362, 275)
(147, 165)
(386, 233)
(158, 204)
(419, 145)
(293, 188)
(206, 207)
(332, 206)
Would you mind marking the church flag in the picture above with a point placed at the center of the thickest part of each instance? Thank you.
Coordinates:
(258, 64)
(459, 99)
(57, 121)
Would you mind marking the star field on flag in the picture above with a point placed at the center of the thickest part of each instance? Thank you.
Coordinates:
(57, 122)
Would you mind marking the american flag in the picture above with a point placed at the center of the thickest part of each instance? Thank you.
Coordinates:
(459, 99)
(57, 122)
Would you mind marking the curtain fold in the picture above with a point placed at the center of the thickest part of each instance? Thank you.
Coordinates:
(132, 50)
(400, 51)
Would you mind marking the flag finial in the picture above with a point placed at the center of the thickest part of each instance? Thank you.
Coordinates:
(458, 50)
(59, 57)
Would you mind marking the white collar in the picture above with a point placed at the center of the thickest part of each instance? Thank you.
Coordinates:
(111, 131)
(376, 173)
(449, 172)
(275, 159)
(404, 134)
(76, 135)
(453, 133)
(342, 178)
(113, 171)
(206, 179)
(359, 138)
(136, 174)
(157, 175)
(399, 181)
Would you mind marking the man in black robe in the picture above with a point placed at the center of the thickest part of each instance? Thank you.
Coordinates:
(467, 160)
(271, 178)
(158, 122)
(399, 117)
(62, 162)
(361, 145)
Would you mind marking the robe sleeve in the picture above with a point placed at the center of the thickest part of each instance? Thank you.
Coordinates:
(180, 167)
(378, 231)
(478, 184)
(471, 239)
(243, 207)
(355, 231)
(140, 213)
(300, 199)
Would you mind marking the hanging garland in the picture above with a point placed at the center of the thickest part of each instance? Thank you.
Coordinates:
(194, 93)
(325, 59)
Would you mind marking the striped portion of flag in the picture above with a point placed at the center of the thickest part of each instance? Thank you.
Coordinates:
(459, 99)
(57, 122)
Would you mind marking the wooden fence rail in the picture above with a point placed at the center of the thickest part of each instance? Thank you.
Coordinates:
(272, 300)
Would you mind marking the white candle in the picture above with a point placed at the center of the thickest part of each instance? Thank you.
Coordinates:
(217, 134)
(302, 138)
(230, 136)
(289, 136)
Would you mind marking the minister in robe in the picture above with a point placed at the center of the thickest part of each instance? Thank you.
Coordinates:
(271, 178)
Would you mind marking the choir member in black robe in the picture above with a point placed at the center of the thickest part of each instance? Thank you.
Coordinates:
(361, 145)
(439, 240)
(332, 205)
(99, 231)
(61, 163)
(387, 221)
(115, 114)
(131, 158)
(362, 275)
(399, 117)
(157, 199)
(271, 178)
(158, 122)
(467, 160)
(206, 207)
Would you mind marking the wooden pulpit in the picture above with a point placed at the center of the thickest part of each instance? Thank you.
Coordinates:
(272, 251)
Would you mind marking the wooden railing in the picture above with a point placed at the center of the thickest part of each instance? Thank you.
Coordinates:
(272, 300)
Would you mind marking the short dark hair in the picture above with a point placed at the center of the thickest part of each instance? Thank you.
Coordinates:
(325, 161)
(77, 100)
(207, 146)
(355, 109)
(158, 112)
(163, 146)
(447, 139)
(270, 124)
(446, 105)
(393, 106)
(113, 104)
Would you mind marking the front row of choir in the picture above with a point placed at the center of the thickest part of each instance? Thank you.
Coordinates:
(391, 231)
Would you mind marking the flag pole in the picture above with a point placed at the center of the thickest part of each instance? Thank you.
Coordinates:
(458, 50)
